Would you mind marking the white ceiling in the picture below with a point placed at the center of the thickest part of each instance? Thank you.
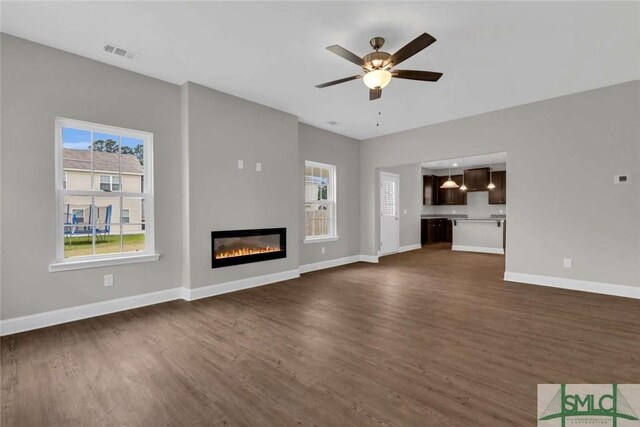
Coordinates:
(493, 54)
(467, 162)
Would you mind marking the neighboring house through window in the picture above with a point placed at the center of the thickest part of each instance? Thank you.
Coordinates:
(320, 202)
(104, 182)
(109, 182)
(125, 216)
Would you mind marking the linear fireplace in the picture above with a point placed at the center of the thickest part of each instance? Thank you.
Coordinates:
(233, 247)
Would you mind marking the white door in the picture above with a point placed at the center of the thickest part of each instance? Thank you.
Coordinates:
(389, 218)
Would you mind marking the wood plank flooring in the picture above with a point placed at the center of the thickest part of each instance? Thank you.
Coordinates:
(429, 337)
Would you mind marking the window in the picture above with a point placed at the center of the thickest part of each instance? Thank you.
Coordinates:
(126, 216)
(109, 183)
(320, 202)
(105, 214)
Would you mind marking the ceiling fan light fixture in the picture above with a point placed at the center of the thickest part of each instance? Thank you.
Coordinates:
(377, 79)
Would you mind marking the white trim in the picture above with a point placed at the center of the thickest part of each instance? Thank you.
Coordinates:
(486, 250)
(369, 258)
(574, 284)
(331, 201)
(320, 239)
(237, 285)
(321, 265)
(410, 247)
(101, 262)
(394, 175)
(147, 194)
(56, 317)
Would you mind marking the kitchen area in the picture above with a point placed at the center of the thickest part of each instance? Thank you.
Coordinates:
(464, 203)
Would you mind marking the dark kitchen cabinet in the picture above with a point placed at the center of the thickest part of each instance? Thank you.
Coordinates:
(476, 179)
(424, 231)
(430, 190)
(498, 196)
(435, 230)
(452, 196)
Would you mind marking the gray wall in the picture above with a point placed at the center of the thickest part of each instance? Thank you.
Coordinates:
(563, 154)
(343, 152)
(410, 199)
(39, 83)
(223, 129)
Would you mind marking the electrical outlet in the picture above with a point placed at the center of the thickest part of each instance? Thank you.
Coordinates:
(323, 249)
(258, 167)
(240, 164)
(404, 211)
(108, 279)
(568, 263)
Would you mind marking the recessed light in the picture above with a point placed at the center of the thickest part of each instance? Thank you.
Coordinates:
(455, 164)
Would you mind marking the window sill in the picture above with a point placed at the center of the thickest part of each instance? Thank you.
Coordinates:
(102, 262)
(320, 239)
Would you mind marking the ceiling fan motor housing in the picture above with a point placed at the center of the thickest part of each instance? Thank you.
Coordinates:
(376, 60)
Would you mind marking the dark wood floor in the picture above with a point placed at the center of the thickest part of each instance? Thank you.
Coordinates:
(429, 337)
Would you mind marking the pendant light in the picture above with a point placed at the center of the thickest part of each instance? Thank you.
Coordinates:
(449, 183)
(463, 187)
(491, 186)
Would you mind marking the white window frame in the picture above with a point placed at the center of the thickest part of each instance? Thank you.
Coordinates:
(123, 216)
(331, 202)
(100, 260)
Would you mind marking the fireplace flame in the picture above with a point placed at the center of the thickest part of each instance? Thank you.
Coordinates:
(246, 251)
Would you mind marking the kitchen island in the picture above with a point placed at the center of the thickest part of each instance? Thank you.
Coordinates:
(479, 234)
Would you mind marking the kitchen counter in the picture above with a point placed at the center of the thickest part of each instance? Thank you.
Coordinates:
(442, 216)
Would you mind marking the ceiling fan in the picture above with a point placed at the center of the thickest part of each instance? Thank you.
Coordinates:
(378, 66)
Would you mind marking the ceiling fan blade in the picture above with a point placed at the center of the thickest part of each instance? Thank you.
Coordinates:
(374, 94)
(427, 76)
(335, 82)
(349, 56)
(410, 49)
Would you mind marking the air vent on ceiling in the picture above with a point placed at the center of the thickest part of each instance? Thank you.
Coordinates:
(109, 48)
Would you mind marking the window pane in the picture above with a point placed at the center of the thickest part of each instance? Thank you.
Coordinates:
(316, 183)
(134, 231)
(76, 158)
(106, 157)
(108, 238)
(107, 219)
(134, 239)
(317, 217)
(77, 217)
(132, 164)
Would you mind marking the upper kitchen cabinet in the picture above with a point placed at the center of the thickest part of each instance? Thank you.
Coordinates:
(476, 179)
(451, 196)
(431, 190)
(498, 196)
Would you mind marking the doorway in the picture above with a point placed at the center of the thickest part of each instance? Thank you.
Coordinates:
(389, 215)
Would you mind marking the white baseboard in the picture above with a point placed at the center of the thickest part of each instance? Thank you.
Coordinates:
(64, 315)
(409, 247)
(56, 317)
(573, 284)
(485, 250)
(237, 285)
(369, 258)
(328, 264)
